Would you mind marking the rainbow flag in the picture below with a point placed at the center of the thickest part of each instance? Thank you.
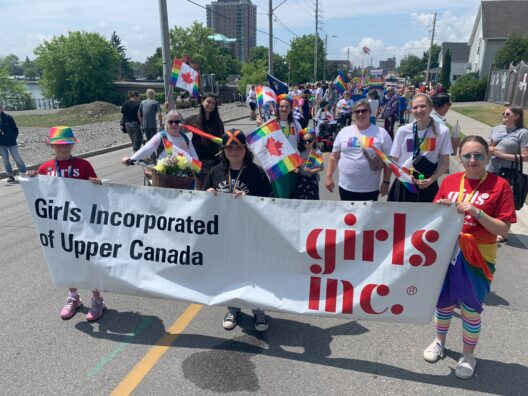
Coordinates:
(340, 82)
(400, 173)
(273, 150)
(199, 132)
(196, 165)
(428, 144)
(184, 76)
(264, 95)
(314, 160)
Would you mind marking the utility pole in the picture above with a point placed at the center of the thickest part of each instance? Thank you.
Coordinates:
(165, 53)
(428, 73)
(270, 49)
(316, 37)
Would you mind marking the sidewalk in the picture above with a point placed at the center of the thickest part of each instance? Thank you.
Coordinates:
(469, 126)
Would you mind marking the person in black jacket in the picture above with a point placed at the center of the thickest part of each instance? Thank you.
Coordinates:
(130, 113)
(237, 174)
(8, 144)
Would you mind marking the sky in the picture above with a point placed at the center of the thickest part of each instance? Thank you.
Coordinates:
(388, 27)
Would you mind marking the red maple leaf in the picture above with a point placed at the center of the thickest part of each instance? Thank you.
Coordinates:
(187, 77)
(274, 147)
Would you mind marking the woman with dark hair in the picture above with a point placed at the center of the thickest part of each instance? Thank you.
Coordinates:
(506, 142)
(208, 120)
(486, 201)
(308, 175)
(237, 174)
(423, 147)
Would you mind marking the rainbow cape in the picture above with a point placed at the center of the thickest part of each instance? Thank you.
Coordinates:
(400, 173)
(199, 132)
(314, 160)
(184, 76)
(264, 95)
(340, 82)
(275, 153)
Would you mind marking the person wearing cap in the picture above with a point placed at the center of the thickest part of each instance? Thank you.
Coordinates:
(64, 164)
(237, 174)
(8, 144)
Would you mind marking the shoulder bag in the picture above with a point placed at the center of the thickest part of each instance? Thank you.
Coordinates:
(517, 179)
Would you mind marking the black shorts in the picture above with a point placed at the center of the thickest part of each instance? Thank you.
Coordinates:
(252, 106)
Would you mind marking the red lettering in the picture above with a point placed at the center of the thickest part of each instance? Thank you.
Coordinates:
(368, 246)
(419, 244)
(348, 297)
(329, 250)
(398, 244)
(365, 298)
(315, 293)
(331, 294)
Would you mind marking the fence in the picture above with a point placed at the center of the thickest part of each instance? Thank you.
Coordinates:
(18, 103)
(509, 86)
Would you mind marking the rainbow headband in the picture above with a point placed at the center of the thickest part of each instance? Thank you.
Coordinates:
(62, 135)
(284, 97)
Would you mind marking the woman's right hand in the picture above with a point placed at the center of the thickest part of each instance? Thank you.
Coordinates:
(125, 160)
(212, 190)
(329, 182)
(444, 201)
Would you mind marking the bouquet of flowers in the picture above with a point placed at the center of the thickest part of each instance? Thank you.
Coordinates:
(175, 171)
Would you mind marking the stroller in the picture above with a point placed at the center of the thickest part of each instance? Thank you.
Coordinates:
(326, 136)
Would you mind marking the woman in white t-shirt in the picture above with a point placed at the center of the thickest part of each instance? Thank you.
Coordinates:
(423, 147)
(373, 99)
(358, 181)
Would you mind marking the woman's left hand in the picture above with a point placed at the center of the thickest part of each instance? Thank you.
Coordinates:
(466, 207)
(238, 193)
(424, 183)
(384, 189)
(96, 180)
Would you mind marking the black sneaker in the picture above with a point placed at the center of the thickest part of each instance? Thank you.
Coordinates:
(11, 179)
(230, 321)
(261, 322)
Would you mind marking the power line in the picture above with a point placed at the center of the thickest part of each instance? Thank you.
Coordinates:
(302, 8)
(285, 27)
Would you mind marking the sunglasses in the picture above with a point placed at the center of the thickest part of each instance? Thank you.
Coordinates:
(361, 111)
(173, 122)
(308, 140)
(476, 156)
(506, 114)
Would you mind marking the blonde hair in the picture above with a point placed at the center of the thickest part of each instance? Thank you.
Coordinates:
(151, 94)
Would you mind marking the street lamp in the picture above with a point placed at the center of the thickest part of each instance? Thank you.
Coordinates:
(325, 53)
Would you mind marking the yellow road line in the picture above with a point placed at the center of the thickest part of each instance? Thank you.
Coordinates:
(140, 370)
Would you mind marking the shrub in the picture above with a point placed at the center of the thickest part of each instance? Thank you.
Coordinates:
(469, 89)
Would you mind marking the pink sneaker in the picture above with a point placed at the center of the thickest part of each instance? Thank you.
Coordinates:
(96, 311)
(71, 306)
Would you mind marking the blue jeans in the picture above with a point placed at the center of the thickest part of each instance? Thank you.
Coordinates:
(4, 152)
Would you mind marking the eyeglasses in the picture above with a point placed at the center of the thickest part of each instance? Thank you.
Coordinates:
(475, 156)
(360, 111)
(308, 140)
(173, 122)
(506, 114)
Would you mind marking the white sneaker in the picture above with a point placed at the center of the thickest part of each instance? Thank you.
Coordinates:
(230, 321)
(466, 366)
(434, 352)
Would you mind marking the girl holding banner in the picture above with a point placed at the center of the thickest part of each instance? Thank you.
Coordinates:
(486, 201)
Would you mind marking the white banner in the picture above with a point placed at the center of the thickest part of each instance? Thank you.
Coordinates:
(366, 260)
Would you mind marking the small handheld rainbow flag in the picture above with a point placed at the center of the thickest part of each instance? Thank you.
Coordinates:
(206, 135)
(340, 82)
(196, 165)
(264, 95)
(275, 153)
(400, 174)
(314, 160)
(184, 76)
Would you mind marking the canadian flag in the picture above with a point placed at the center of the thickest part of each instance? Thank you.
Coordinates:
(185, 77)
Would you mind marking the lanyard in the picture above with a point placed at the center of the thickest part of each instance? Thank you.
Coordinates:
(461, 189)
(417, 141)
(232, 187)
(286, 129)
(70, 168)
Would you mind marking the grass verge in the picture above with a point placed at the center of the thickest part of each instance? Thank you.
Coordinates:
(490, 115)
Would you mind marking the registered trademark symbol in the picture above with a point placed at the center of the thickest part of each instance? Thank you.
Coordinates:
(412, 290)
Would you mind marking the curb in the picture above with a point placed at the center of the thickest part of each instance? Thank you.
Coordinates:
(105, 150)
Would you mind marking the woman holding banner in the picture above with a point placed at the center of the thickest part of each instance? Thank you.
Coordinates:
(486, 201)
(208, 120)
(284, 187)
(237, 174)
(423, 148)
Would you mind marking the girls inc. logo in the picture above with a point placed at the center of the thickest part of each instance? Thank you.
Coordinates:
(363, 248)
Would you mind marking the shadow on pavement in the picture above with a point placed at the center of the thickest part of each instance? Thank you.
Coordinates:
(494, 300)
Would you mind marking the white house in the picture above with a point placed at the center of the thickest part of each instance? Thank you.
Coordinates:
(495, 21)
(459, 58)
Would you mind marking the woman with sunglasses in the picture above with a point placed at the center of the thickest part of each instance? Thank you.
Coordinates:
(308, 174)
(486, 201)
(507, 141)
(237, 174)
(423, 147)
(208, 120)
(359, 178)
(173, 133)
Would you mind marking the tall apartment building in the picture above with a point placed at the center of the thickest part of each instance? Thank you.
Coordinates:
(235, 19)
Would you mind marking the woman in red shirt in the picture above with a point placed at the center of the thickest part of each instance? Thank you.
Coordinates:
(486, 201)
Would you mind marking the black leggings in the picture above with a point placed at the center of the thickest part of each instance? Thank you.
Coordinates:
(346, 195)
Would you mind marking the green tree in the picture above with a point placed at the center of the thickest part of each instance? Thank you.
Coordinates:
(411, 66)
(252, 73)
(234, 66)
(445, 73)
(12, 64)
(30, 69)
(153, 67)
(78, 68)
(124, 69)
(301, 58)
(203, 52)
(469, 89)
(515, 49)
(13, 94)
(435, 57)
(280, 64)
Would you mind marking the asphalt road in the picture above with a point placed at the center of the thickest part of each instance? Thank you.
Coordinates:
(42, 354)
